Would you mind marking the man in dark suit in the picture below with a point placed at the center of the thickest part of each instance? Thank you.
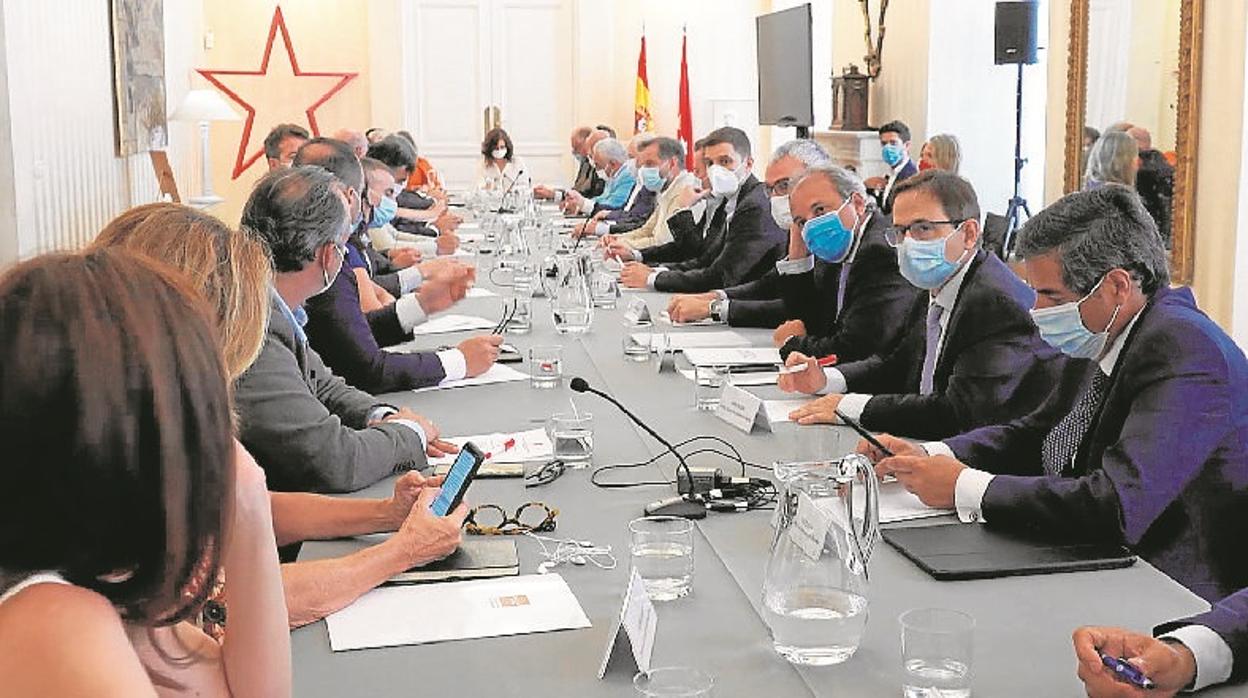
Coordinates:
(1149, 450)
(587, 183)
(1186, 655)
(347, 340)
(895, 150)
(306, 427)
(741, 241)
(970, 352)
(758, 303)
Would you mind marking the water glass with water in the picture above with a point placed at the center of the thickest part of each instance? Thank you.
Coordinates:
(708, 386)
(635, 349)
(674, 682)
(936, 652)
(604, 287)
(572, 434)
(522, 318)
(662, 554)
(545, 366)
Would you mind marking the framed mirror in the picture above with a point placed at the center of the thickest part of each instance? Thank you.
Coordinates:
(1133, 106)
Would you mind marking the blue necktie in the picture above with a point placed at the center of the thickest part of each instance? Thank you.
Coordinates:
(934, 311)
(1061, 445)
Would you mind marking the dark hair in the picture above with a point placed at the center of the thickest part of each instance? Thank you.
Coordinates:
(955, 194)
(1091, 133)
(1095, 232)
(492, 138)
(335, 156)
(395, 151)
(405, 135)
(296, 212)
(603, 127)
(898, 128)
(730, 135)
(699, 144)
(273, 141)
(115, 417)
(372, 165)
(669, 148)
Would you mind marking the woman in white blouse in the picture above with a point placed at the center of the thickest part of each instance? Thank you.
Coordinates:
(501, 169)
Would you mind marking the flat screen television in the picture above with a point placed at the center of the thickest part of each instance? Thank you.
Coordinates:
(785, 80)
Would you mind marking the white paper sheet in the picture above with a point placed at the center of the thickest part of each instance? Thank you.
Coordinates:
(898, 504)
(531, 445)
(681, 341)
(452, 323)
(777, 411)
(498, 373)
(733, 356)
(743, 379)
(705, 322)
(414, 615)
(478, 292)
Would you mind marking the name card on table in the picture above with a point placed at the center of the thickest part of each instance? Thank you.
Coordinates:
(637, 313)
(640, 624)
(738, 407)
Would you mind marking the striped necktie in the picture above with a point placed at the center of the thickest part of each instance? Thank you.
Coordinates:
(1061, 445)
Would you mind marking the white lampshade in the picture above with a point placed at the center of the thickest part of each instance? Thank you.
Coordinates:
(203, 105)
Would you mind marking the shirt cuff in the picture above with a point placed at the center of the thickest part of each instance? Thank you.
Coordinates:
(410, 279)
(968, 494)
(602, 228)
(380, 412)
(789, 267)
(1214, 660)
(454, 364)
(853, 404)
(721, 294)
(434, 228)
(653, 275)
(938, 448)
(586, 206)
(410, 313)
(835, 382)
(420, 432)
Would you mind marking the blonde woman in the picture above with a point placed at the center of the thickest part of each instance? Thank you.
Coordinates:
(1113, 160)
(941, 152)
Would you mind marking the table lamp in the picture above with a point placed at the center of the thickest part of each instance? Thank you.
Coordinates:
(204, 106)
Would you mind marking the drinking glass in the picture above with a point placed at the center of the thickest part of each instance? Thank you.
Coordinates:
(522, 318)
(572, 434)
(662, 554)
(545, 366)
(635, 350)
(674, 682)
(936, 652)
(708, 385)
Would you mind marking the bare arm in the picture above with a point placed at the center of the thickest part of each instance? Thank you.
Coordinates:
(317, 588)
(368, 295)
(299, 516)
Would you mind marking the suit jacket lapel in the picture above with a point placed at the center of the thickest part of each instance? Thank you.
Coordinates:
(951, 344)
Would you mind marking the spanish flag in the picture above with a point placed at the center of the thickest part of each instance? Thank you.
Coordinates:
(641, 101)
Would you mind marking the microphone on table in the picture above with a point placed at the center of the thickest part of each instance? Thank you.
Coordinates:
(683, 505)
(503, 202)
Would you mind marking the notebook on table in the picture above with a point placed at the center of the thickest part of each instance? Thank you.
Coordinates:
(977, 551)
(476, 558)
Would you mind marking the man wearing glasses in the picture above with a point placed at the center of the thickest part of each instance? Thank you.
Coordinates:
(970, 354)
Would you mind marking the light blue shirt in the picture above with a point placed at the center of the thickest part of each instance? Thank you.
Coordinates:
(619, 186)
(297, 317)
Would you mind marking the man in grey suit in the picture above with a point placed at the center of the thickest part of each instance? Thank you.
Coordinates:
(306, 427)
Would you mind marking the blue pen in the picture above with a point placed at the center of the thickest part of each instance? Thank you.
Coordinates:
(1128, 672)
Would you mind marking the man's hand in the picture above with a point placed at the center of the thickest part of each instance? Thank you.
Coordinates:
(791, 328)
(542, 191)
(875, 183)
(821, 411)
(445, 270)
(407, 489)
(480, 353)
(809, 381)
(572, 202)
(447, 222)
(435, 447)
(1170, 665)
(797, 244)
(448, 242)
(690, 308)
(689, 196)
(618, 249)
(899, 447)
(434, 297)
(425, 537)
(933, 479)
(404, 257)
(635, 275)
(383, 296)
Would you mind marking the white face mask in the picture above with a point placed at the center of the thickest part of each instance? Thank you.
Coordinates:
(329, 278)
(499, 153)
(602, 174)
(724, 182)
(780, 211)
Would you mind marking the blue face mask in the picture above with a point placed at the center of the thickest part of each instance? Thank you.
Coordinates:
(894, 153)
(1062, 327)
(923, 263)
(827, 237)
(384, 212)
(651, 178)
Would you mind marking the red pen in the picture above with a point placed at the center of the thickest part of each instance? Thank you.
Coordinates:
(829, 360)
(507, 446)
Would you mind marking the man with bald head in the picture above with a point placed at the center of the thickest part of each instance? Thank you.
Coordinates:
(1154, 181)
(355, 139)
(587, 183)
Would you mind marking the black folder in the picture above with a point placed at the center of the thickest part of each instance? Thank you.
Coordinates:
(978, 551)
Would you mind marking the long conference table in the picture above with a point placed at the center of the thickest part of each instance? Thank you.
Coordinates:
(1022, 644)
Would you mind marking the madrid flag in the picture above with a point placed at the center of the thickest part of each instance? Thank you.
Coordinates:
(641, 101)
(685, 133)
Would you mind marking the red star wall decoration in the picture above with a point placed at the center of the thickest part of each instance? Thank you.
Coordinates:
(299, 84)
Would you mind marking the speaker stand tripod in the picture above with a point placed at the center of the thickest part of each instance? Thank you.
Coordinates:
(1018, 205)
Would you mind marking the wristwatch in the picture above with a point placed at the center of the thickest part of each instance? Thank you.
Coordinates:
(719, 310)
